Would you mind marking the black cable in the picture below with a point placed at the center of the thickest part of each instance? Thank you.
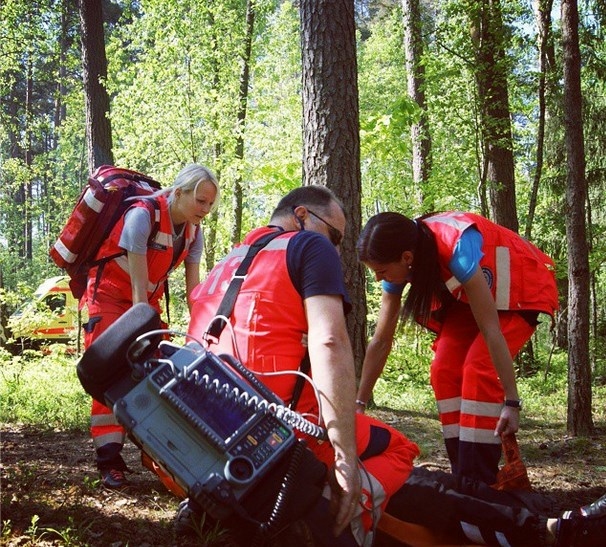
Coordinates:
(282, 499)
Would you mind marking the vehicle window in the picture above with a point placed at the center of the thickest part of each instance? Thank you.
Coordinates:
(56, 303)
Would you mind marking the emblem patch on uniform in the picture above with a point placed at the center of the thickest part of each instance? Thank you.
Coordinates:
(488, 275)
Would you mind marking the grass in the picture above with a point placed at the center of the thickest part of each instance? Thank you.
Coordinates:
(42, 389)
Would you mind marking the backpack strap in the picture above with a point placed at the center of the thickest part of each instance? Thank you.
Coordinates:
(152, 206)
(231, 294)
(304, 367)
(229, 300)
(167, 300)
(166, 291)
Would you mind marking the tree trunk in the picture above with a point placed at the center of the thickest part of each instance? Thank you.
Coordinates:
(13, 127)
(415, 74)
(5, 333)
(243, 103)
(210, 231)
(544, 31)
(94, 65)
(29, 155)
(579, 420)
(60, 110)
(493, 94)
(331, 140)
(561, 334)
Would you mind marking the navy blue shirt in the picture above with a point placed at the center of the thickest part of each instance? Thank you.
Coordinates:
(314, 266)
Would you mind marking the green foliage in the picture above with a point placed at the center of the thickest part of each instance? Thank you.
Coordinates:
(31, 317)
(386, 115)
(36, 534)
(273, 134)
(207, 531)
(404, 385)
(39, 71)
(173, 77)
(178, 63)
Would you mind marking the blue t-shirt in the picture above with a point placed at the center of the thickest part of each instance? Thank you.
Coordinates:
(465, 259)
(315, 267)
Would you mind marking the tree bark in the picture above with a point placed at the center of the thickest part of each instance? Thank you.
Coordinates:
(29, 156)
(331, 140)
(64, 41)
(243, 103)
(415, 74)
(579, 419)
(544, 31)
(210, 230)
(493, 93)
(94, 65)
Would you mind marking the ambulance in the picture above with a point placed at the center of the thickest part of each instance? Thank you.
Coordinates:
(50, 316)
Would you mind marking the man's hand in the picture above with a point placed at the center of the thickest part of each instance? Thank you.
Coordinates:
(346, 487)
(333, 371)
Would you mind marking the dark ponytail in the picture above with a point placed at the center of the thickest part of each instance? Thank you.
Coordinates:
(426, 282)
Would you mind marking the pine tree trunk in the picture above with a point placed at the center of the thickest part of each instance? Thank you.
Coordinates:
(331, 140)
(415, 74)
(579, 420)
(94, 64)
(493, 93)
(544, 31)
(243, 103)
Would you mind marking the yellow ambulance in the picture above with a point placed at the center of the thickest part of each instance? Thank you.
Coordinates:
(51, 315)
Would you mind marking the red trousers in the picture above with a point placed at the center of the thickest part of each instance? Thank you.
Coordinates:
(104, 429)
(386, 460)
(107, 434)
(468, 391)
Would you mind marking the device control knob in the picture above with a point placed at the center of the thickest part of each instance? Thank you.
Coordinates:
(239, 470)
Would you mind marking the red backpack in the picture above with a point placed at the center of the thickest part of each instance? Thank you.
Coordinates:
(100, 205)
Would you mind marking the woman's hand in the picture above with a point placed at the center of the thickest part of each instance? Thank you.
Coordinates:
(509, 421)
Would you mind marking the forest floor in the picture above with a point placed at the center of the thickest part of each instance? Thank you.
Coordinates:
(51, 494)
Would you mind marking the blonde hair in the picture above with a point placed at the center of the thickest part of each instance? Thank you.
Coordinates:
(188, 180)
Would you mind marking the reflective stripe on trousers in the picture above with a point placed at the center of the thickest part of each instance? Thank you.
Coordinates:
(468, 391)
(104, 428)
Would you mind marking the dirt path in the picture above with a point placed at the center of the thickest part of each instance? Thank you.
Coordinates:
(51, 476)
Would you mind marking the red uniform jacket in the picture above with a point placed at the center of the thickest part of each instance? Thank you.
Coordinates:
(269, 317)
(520, 276)
(115, 279)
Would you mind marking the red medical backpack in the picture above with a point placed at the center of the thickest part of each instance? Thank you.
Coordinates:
(100, 205)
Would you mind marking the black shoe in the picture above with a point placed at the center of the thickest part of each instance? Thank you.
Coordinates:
(581, 531)
(595, 509)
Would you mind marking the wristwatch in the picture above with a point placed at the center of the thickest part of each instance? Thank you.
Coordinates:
(514, 403)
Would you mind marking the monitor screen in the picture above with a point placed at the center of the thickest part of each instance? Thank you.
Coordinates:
(220, 413)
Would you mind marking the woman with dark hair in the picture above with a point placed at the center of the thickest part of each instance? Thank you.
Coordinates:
(480, 288)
